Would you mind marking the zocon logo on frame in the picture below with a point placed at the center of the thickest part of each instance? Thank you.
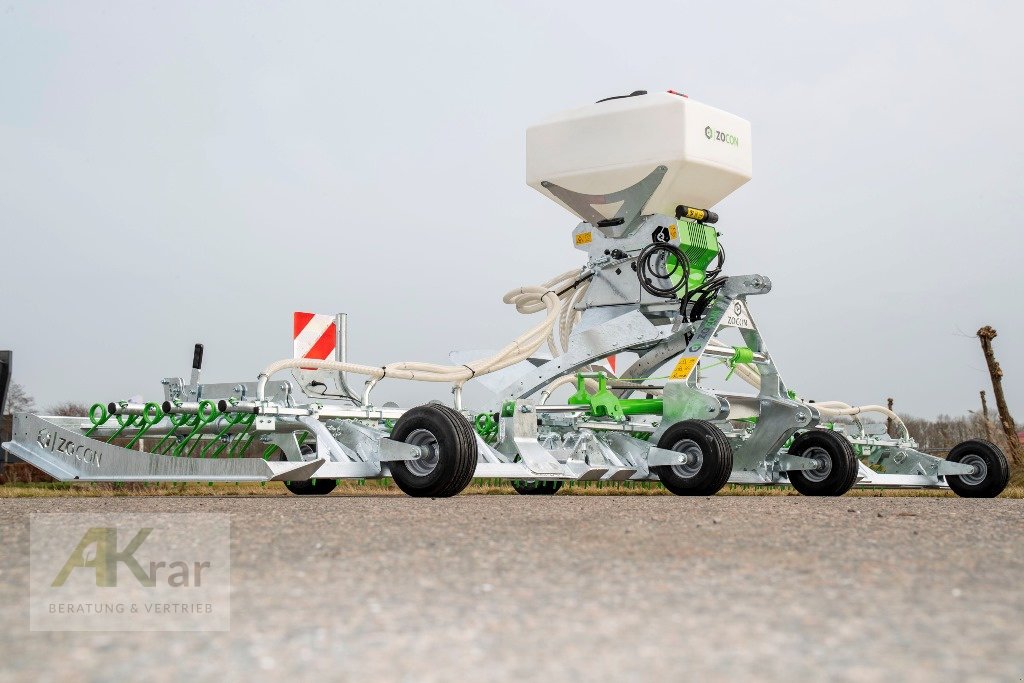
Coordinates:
(720, 135)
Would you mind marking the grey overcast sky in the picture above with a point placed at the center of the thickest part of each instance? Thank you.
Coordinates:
(191, 171)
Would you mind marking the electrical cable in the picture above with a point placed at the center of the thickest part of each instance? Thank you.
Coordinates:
(647, 272)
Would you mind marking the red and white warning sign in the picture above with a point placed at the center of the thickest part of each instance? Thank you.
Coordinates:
(315, 336)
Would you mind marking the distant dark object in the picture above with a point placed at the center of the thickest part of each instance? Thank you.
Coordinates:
(6, 358)
(69, 409)
(635, 93)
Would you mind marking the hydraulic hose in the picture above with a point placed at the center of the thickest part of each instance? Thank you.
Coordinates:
(550, 297)
(827, 409)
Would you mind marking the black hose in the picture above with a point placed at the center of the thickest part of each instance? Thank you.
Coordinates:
(647, 272)
(696, 302)
(717, 270)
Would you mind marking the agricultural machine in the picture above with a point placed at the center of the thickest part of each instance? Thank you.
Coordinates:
(646, 334)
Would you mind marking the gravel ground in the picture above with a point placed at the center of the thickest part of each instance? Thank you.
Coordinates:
(582, 588)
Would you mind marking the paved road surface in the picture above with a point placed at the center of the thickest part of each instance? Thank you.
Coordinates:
(583, 588)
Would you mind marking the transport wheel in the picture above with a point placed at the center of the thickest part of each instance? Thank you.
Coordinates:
(709, 461)
(532, 487)
(991, 475)
(837, 467)
(450, 452)
(310, 487)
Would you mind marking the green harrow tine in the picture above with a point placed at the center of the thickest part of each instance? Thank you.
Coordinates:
(207, 414)
(230, 420)
(152, 414)
(177, 421)
(98, 415)
(125, 421)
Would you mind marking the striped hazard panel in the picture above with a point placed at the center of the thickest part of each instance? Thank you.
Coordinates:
(315, 336)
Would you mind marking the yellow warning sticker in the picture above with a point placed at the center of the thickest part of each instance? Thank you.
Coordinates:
(683, 368)
(584, 238)
(673, 232)
(694, 214)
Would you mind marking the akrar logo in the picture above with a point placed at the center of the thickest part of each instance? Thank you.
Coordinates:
(98, 551)
(130, 572)
(721, 136)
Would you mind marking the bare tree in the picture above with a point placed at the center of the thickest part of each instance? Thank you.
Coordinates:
(986, 335)
(69, 409)
(984, 416)
(19, 400)
(888, 420)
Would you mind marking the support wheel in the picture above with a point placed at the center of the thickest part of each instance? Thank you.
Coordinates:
(310, 487)
(991, 471)
(532, 487)
(449, 452)
(837, 467)
(709, 459)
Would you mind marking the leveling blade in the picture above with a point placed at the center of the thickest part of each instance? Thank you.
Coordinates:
(66, 455)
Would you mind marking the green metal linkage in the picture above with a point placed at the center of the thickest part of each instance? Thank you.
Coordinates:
(487, 427)
(602, 403)
(641, 406)
(741, 355)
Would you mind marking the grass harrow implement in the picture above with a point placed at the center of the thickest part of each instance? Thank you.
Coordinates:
(648, 338)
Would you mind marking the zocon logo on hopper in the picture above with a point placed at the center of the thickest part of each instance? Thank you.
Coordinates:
(728, 138)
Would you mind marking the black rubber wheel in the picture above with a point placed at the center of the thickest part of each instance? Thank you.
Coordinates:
(532, 487)
(450, 442)
(311, 487)
(838, 465)
(710, 459)
(992, 471)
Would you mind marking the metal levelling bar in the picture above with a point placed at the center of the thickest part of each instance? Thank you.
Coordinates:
(67, 455)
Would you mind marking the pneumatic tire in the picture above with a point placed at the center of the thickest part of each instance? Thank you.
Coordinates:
(310, 487)
(449, 444)
(992, 471)
(532, 487)
(838, 465)
(710, 459)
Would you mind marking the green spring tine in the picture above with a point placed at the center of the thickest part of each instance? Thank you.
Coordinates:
(125, 421)
(247, 441)
(207, 413)
(230, 420)
(269, 451)
(152, 414)
(98, 415)
(246, 423)
(246, 431)
(177, 421)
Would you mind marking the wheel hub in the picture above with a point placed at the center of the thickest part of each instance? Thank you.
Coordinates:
(980, 469)
(429, 452)
(824, 464)
(693, 458)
